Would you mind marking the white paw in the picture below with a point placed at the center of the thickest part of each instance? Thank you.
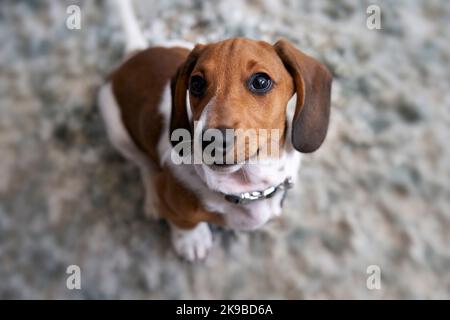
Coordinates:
(192, 244)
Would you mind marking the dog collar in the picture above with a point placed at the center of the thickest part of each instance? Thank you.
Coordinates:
(246, 197)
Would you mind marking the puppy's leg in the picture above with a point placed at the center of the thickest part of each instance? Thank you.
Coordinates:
(188, 220)
(122, 142)
(192, 244)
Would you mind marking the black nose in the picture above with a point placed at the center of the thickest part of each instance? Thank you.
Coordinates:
(222, 139)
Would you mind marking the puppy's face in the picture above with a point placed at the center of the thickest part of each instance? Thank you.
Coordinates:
(245, 85)
(242, 85)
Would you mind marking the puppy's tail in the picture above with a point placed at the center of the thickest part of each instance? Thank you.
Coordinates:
(134, 38)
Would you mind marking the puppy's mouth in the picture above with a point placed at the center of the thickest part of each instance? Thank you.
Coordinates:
(225, 168)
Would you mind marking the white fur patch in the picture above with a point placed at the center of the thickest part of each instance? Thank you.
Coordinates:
(192, 244)
(134, 39)
(121, 140)
(175, 43)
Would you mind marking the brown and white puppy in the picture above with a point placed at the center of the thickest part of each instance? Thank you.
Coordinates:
(234, 84)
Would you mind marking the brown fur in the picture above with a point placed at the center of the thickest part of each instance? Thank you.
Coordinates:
(313, 85)
(138, 85)
(179, 205)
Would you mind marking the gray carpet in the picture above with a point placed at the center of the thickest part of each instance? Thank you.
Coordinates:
(376, 193)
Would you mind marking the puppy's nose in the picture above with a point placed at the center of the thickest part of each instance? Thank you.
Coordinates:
(227, 137)
(221, 137)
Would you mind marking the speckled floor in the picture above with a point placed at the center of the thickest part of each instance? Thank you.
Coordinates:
(376, 193)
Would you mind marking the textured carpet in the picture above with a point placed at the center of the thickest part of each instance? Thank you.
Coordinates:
(376, 193)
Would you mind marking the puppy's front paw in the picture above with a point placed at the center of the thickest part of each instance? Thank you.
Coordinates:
(192, 244)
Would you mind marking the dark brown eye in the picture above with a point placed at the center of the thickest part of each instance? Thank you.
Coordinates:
(197, 85)
(260, 83)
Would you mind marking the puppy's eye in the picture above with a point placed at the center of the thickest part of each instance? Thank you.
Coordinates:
(197, 85)
(260, 83)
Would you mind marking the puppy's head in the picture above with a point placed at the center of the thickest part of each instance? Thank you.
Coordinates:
(245, 85)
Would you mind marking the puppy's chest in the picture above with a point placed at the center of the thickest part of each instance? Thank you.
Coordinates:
(250, 178)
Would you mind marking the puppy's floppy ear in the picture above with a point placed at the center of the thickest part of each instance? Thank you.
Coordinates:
(179, 85)
(312, 82)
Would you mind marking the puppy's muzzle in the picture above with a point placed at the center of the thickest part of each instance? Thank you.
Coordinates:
(217, 144)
